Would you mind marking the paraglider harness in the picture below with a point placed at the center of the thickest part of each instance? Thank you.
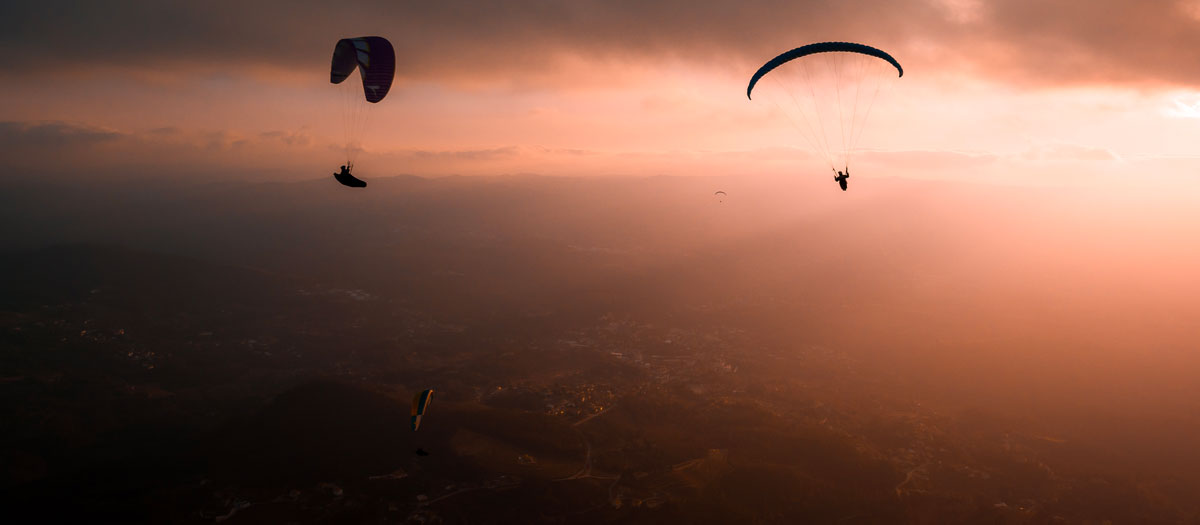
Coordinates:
(346, 179)
(841, 176)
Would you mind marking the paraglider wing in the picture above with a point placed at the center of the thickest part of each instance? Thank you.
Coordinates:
(719, 193)
(821, 47)
(375, 59)
(344, 61)
(419, 404)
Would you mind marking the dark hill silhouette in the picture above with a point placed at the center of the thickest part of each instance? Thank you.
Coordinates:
(132, 278)
(315, 432)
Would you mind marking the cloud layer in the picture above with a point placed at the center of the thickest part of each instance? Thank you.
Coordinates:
(1025, 41)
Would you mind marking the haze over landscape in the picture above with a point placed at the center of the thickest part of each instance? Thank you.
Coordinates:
(995, 323)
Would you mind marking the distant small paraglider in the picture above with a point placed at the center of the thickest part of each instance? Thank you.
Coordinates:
(720, 196)
(419, 405)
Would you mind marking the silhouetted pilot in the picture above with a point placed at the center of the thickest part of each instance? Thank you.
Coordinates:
(841, 179)
(349, 180)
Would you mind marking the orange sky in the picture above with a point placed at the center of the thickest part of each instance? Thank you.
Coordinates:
(1010, 92)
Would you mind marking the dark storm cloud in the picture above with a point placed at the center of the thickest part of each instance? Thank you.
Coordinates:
(1029, 41)
(1079, 41)
(432, 37)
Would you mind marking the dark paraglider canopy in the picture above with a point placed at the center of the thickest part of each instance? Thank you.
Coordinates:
(375, 59)
(820, 47)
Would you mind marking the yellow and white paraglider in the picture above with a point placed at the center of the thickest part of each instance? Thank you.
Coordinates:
(419, 405)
